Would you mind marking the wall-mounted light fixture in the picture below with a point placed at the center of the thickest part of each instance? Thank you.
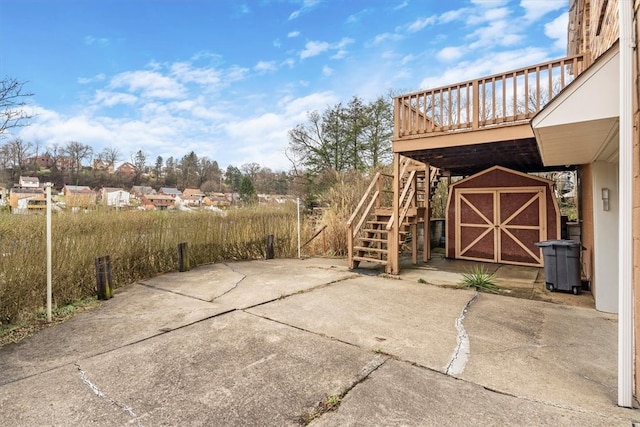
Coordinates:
(605, 199)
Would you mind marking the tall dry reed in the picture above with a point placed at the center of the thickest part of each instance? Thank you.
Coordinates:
(141, 245)
(339, 203)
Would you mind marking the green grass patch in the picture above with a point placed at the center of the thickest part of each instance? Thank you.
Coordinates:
(14, 333)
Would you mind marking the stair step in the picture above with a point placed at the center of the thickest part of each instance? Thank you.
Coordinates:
(377, 261)
(377, 222)
(369, 249)
(375, 230)
(383, 210)
(372, 239)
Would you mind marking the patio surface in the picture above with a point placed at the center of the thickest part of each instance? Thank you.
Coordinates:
(293, 342)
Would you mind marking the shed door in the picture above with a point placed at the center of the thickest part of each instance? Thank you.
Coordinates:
(501, 225)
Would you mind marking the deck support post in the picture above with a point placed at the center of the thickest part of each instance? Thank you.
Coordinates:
(426, 228)
(393, 236)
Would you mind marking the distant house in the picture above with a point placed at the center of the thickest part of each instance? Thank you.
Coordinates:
(217, 199)
(25, 199)
(126, 169)
(170, 191)
(26, 195)
(101, 165)
(115, 197)
(78, 196)
(28, 182)
(192, 197)
(157, 201)
(44, 162)
(64, 163)
(274, 199)
(142, 190)
(193, 192)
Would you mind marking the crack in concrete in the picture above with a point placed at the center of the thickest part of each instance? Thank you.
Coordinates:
(167, 330)
(126, 408)
(333, 402)
(461, 352)
(235, 285)
(157, 288)
(319, 334)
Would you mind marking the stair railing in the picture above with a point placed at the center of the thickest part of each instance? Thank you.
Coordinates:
(369, 200)
(406, 199)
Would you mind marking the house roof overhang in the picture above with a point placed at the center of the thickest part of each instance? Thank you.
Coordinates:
(580, 124)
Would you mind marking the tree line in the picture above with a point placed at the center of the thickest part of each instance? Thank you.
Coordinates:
(75, 163)
(355, 136)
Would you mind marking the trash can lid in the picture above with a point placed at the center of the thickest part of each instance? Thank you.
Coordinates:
(547, 243)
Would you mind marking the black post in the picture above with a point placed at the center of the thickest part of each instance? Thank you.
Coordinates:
(103, 277)
(271, 253)
(183, 257)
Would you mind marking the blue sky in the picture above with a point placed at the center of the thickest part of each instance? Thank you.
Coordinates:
(227, 79)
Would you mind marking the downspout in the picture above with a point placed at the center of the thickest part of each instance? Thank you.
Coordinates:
(625, 242)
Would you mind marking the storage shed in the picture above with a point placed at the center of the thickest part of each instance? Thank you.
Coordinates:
(498, 215)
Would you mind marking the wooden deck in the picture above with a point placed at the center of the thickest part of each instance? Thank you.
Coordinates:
(485, 110)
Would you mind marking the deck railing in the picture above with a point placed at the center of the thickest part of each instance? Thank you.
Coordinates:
(501, 99)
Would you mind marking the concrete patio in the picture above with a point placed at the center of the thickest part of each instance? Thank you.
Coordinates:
(294, 342)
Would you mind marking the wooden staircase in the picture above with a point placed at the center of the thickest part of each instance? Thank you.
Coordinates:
(374, 234)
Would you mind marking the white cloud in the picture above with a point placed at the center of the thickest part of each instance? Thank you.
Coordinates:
(488, 15)
(490, 3)
(314, 48)
(401, 5)
(99, 41)
(289, 62)
(557, 30)
(150, 84)
(535, 9)
(450, 53)
(407, 59)
(497, 33)
(110, 99)
(327, 71)
(53, 128)
(297, 108)
(186, 73)
(341, 48)
(86, 80)
(293, 34)
(420, 24)
(380, 38)
(344, 42)
(453, 15)
(307, 5)
(234, 74)
(265, 66)
(294, 15)
(486, 66)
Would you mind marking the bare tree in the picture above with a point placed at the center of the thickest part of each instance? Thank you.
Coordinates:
(77, 152)
(12, 104)
(14, 155)
(250, 169)
(110, 155)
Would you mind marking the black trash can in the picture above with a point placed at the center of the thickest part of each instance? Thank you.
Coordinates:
(562, 265)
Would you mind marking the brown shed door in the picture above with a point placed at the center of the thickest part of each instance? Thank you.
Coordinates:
(501, 225)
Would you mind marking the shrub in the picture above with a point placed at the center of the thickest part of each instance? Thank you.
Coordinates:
(480, 278)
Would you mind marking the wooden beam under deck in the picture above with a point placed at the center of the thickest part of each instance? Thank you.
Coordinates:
(421, 142)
